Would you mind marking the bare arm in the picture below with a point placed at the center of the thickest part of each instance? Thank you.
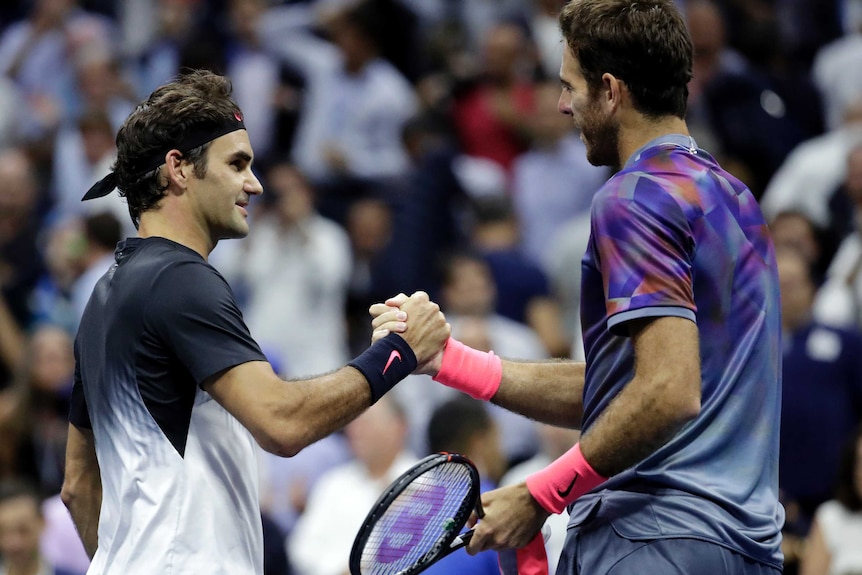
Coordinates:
(286, 416)
(547, 391)
(82, 486)
(551, 391)
(663, 395)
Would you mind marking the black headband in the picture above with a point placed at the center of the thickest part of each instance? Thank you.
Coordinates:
(195, 137)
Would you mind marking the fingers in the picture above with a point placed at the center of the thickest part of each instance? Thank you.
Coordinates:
(379, 309)
(393, 319)
(392, 303)
(397, 301)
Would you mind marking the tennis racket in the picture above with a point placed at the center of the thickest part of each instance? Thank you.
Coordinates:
(418, 519)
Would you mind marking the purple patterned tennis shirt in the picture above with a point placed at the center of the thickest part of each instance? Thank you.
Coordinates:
(672, 234)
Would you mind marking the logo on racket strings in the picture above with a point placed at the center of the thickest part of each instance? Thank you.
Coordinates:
(410, 527)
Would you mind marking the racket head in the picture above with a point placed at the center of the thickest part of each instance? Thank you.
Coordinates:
(413, 523)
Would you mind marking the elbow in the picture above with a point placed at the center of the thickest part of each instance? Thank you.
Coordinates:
(677, 402)
(68, 495)
(286, 441)
(72, 490)
(687, 403)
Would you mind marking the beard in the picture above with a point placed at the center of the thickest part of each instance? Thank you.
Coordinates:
(601, 136)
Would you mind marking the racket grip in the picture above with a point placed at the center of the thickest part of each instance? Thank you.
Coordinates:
(461, 540)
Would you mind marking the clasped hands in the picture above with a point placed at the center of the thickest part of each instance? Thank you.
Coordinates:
(512, 516)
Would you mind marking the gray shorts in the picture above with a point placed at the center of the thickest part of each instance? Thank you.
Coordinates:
(599, 550)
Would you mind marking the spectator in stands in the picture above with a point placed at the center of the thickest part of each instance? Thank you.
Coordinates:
(293, 269)
(821, 397)
(83, 153)
(757, 114)
(552, 182)
(35, 53)
(522, 290)
(21, 524)
(794, 230)
(320, 545)
(836, 73)
(20, 260)
(102, 233)
(45, 385)
(467, 297)
(355, 103)
(491, 117)
(463, 425)
(843, 278)
(814, 170)
(833, 545)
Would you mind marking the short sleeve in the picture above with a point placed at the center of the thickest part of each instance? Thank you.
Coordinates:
(78, 414)
(194, 312)
(644, 247)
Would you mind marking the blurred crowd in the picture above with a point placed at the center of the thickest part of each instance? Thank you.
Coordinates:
(404, 145)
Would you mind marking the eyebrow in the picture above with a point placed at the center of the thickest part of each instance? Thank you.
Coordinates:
(240, 155)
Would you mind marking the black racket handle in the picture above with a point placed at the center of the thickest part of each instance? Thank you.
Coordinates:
(460, 541)
(464, 538)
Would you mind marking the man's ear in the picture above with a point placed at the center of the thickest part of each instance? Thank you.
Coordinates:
(177, 170)
(614, 91)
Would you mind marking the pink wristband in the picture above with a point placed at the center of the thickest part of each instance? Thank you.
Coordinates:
(474, 372)
(563, 481)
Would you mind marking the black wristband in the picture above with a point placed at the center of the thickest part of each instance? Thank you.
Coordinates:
(385, 363)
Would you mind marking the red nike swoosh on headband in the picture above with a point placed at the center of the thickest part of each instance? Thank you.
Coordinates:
(395, 353)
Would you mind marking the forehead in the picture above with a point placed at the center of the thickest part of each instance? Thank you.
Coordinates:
(22, 507)
(570, 68)
(231, 143)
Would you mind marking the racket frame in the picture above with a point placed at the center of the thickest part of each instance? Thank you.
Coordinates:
(452, 541)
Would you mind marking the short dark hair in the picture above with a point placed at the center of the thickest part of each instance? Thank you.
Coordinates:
(455, 422)
(195, 100)
(103, 230)
(845, 489)
(11, 489)
(644, 43)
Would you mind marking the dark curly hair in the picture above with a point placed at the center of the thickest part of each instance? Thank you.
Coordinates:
(644, 43)
(197, 99)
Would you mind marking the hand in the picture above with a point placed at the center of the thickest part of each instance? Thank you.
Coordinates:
(512, 518)
(388, 317)
(399, 315)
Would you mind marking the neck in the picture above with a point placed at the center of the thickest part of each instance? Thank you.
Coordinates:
(639, 130)
(175, 226)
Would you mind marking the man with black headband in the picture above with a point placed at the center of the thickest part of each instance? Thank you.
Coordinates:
(159, 477)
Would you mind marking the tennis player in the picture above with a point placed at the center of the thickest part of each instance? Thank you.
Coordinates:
(171, 392)
(676, 470)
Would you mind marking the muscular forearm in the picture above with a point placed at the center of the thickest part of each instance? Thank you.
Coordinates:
(550, 392)
(661, 398)
(322, 406)
(84, 506)
(633, 426)
(82, 486)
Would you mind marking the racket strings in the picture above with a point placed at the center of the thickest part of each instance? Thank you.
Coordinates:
(419, 519)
